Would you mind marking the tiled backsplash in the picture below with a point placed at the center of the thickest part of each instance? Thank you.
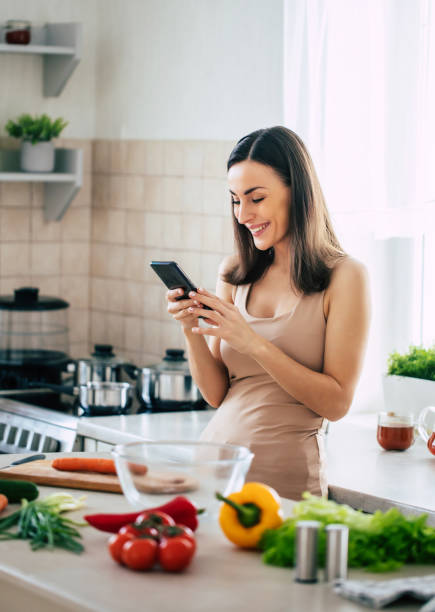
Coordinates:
(54, 256)
(141, 200)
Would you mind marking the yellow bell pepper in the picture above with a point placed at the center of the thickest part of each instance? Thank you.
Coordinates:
(245, 515)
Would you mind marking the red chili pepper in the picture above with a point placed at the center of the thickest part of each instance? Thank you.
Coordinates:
(180, 509)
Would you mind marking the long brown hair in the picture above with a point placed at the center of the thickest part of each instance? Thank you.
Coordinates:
(313, 243)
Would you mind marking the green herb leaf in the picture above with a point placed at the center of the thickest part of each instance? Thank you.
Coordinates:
(35, 129)
(418, 362)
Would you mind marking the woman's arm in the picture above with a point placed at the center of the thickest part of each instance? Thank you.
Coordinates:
(206, 365)
(330, 392)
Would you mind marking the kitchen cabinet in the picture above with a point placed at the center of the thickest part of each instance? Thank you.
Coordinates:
(60, 186)
(59, 44)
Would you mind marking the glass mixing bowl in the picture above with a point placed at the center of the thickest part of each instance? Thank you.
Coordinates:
(154, 472)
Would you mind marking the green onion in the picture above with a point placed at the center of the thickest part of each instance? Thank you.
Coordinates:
(40, 521)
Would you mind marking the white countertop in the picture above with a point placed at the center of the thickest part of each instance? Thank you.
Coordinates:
(158, 426)
(221, 577)
(365, 476)
(359, 471)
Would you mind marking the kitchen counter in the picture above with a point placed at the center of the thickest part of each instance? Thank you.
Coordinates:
(221, 577)
(360, 473)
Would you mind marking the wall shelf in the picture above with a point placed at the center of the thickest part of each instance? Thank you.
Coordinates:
(60, 45)
(60, 186)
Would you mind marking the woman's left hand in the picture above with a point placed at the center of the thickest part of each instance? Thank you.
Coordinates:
(226, 321)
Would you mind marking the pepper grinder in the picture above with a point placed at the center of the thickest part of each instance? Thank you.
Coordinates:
(306, 551)
(337, 538)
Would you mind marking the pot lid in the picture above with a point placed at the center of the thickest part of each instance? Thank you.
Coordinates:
(28, 299)
(103, 354)
(174, 360)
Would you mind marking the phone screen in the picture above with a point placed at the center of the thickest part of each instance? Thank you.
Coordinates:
(174, 277)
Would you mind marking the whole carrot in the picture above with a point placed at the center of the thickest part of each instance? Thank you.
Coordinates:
(84, 464)
(3, 502)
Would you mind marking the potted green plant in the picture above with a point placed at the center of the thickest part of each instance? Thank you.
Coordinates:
(36, 134)
(409, 384)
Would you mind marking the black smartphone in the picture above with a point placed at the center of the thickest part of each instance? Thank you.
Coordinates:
(174, 278)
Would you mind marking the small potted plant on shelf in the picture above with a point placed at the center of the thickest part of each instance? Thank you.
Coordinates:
(409, 385)
(36, 134)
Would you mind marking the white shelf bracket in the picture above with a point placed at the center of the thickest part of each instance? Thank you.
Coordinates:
(59, 68)
(58, 196)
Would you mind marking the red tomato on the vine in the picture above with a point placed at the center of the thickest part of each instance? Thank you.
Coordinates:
(175, 553)
(115, 544)
(139, 553)
(156, 518)
(172, 531)
(137, 531)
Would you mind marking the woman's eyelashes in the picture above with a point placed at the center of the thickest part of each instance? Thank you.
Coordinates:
(234, 202)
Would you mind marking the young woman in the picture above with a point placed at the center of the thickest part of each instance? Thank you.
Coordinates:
(288, 323)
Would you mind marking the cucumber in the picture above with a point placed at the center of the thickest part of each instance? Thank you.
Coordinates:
(16, 490)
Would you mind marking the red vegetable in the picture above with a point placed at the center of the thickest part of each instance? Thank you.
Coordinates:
(180, 509)
(139, 553)
(173, 531)
(138, 531)
(154, 518)
(115, 544)
(175, 554)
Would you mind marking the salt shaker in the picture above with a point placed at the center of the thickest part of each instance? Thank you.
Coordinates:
(306, 551)
(337, 538)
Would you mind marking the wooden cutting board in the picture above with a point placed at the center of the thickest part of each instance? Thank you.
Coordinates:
(41, 472)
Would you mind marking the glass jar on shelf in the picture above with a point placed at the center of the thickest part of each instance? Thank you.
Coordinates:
(18, 32)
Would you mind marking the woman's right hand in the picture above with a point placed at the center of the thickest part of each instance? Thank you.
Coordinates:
(179, 309)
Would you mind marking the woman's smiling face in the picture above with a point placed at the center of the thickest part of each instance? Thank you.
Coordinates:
(260, 202)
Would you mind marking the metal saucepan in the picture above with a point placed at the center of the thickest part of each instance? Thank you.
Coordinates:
(102, 366)
(97, 397)
(168, 385)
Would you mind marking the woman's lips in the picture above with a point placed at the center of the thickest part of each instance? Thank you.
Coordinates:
(259, 229)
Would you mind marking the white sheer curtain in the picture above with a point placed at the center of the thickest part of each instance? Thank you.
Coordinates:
(360, 90)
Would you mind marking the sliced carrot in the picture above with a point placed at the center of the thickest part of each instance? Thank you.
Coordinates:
(3, 502)
(137, 469)
(84, 464)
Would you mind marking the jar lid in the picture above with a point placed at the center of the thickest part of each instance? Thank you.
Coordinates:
(18, 24)
(28, 299)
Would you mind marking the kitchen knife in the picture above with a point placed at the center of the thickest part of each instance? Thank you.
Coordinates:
(25, 460)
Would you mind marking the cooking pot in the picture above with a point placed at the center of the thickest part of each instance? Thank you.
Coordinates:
(168, 385)
(102, 366)
(97, 398)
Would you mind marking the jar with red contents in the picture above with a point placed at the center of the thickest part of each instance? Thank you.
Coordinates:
(18, 32)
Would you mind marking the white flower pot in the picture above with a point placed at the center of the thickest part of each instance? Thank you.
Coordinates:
(37, 157)
(406, 395)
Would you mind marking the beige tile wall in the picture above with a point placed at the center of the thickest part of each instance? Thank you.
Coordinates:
(54, 256)
(153, 200)
(141, 200)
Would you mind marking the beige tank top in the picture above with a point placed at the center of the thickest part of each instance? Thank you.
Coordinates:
(286, 437)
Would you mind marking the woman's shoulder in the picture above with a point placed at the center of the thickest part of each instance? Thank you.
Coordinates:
(224, 289)
(347, 269)
(227, 264)
(348, 274)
